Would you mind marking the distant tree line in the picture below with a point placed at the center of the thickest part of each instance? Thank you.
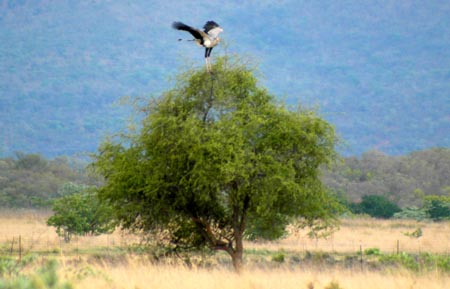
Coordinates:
(404, 180)
(436, 208)
(32, 181)
(414, 186)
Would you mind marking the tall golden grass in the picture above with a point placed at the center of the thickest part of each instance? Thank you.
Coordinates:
(35, 235)
(386, 235)
(138, 272)
(137, 275)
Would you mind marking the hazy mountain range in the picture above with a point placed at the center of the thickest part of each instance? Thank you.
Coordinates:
(378, 70)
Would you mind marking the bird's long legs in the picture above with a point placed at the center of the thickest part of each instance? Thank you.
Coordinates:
(207, 62)
(208, 65)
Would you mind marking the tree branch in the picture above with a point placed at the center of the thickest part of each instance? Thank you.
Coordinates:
(207, 233)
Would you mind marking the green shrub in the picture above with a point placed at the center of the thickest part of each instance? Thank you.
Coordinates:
(372, 251)
(333, 285)
(45, 277)
(403, 259)
(415, 234)
(421, 262)
(11, 267)
(412, 213)
(443, 263)
(279, 257)
(375, 206)
(8, 267)
(437, 207)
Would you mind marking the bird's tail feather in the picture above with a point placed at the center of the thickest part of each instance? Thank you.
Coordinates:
(181, 26)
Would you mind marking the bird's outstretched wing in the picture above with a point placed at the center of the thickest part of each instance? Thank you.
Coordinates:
(212, 29)
(210, 25)
(181, 26)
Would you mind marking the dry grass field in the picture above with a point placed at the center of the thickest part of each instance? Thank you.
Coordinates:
(35, 235)
(79, 265)
(136, 275)
(385, 235)
(352, 234)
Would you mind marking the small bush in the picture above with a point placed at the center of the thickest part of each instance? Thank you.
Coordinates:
(437, 207)
(279, 257)
(333, 285)
(11, 267)
(443, 263)
(320, 257)
(418, 263)
(45, 277)
(412, 213)
(415, 234)
(296, 259)
(403, 259)
(372, 251)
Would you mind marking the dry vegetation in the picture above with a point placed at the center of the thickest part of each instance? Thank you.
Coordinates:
(371, 233)
(137, 275)
(368, 233)
(35, 235)
(80, 263)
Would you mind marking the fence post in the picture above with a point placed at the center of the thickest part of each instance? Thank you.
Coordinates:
(361, 259)
(20, 247)
(12, 247)
(398, 247)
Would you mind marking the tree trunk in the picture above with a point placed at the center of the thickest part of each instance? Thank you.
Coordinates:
(238, 253)
(237, 262)
(239, 222)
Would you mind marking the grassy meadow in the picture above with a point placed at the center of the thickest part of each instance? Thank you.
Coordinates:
(394, 256)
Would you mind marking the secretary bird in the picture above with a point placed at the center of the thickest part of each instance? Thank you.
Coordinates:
(208, 38)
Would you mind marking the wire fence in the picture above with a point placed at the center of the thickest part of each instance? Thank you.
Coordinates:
(22, 233)
(20, 245)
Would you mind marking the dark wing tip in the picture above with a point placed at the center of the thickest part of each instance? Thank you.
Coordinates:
(177, 25)
(210, 25)
(181, 26)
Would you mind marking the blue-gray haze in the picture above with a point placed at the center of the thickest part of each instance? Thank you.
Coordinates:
(378, 70)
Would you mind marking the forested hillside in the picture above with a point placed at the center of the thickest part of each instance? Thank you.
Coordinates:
(31, 180)
(379, 71)
(404, 180)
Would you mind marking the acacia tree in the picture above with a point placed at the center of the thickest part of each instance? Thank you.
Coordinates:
(216, 157)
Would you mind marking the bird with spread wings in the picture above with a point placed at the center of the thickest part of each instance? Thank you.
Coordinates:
(208, 37)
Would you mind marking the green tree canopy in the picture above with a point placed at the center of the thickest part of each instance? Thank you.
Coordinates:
(80, 213)
(217, 157)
